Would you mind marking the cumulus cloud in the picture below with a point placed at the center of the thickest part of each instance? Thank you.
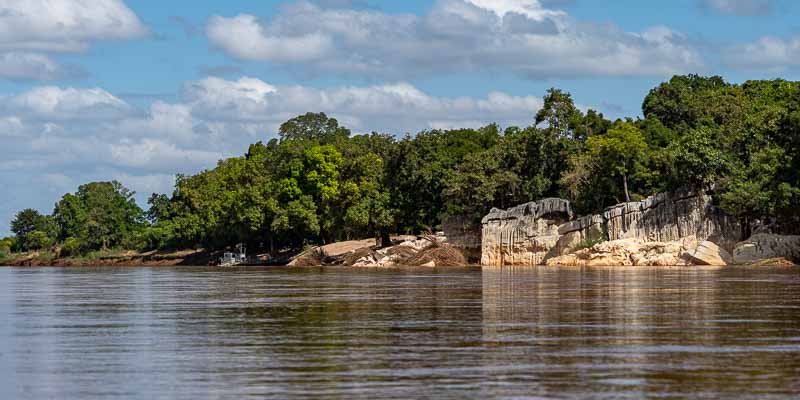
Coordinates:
(520, 36)
(64, 25)
(395, 108)
(244, 37)
(29, 28)
(739, 7)
(22, 66)
(54, 103)
(767, 53)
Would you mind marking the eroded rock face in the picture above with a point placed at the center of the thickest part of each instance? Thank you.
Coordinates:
(667, 217)
(667, 225)
(523, 235)
(764, 246)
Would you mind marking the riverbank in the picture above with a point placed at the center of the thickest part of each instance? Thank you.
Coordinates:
(121, 258)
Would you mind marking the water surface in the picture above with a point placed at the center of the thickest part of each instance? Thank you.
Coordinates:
(84, 333)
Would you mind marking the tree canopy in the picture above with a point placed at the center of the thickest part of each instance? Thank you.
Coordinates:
(316, 182)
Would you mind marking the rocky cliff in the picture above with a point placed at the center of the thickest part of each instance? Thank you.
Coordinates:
(523, 235)
(668, 217)
(663, 229)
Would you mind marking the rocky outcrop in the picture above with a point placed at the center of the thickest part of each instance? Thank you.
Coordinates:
(673, 216)
(708, 253)
(523, 235)
(767, 246)
(628, 252)
(664, 228)
(584, 230)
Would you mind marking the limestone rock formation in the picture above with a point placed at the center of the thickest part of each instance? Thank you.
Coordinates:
(628, 252)
(767, 246)
(590, 228)
(667, 226)
(523, 235)
(667, 217)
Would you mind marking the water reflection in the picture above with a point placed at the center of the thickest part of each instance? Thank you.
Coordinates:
(401, 333)
(633, 333)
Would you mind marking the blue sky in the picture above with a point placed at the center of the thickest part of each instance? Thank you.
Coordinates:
(138, 90)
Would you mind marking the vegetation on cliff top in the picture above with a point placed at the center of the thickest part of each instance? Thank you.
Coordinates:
(318, 183)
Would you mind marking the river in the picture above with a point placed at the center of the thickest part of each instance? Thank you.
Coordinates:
(332, 333)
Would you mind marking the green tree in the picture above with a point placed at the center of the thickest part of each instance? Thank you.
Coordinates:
(561, 115)
(25, 223)
(621, 152)
(100, 214)
(316, 127)
(38, 240)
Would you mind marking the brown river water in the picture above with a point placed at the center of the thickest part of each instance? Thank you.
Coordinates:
(332, 333)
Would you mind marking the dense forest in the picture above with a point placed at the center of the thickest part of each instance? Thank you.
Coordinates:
(318, 183)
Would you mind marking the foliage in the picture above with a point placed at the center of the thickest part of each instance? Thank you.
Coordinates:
(32, 229)
(38, 240)
(8, 244)
(71, 246)
(317, 183)
(98, 215)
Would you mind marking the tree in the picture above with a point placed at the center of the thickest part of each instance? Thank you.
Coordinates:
(25, 223)
(159, 207)
(8, 244)
(38, 240)
(100, 214)
(315, 127)
(621, 151)
(561, 115)
(698, 159)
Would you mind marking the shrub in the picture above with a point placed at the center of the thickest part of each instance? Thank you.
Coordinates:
(38, 240)
(71, 247)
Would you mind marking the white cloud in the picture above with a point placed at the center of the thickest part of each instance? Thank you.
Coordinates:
(29, 28)
(158, 155)
(767, 53)
(519, 36)
(29, 66)
(10, 126)
(530, 8)
(394, 108)
(245, 38)
(51, 102)
(64, 25)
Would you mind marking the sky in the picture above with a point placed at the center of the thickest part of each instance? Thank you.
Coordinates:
(140, 90)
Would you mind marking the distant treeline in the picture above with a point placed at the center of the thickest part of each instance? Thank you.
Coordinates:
(318, 183)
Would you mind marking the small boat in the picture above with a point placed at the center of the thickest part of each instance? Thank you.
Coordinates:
(232, 259)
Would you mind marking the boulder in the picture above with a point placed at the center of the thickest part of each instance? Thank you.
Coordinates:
(764, 246)
(708, 253)
(309, 258)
